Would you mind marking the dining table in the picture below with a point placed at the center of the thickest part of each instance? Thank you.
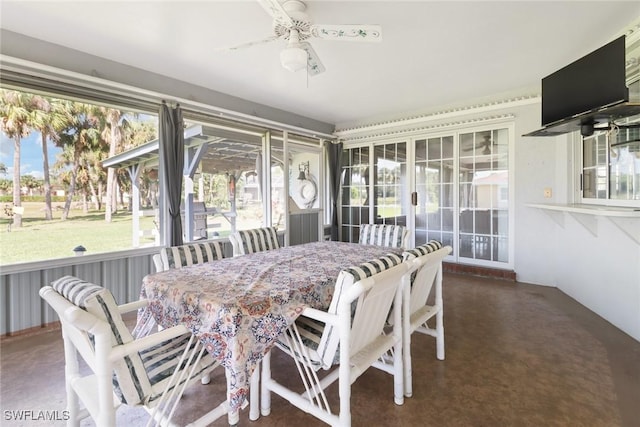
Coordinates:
(237, 307)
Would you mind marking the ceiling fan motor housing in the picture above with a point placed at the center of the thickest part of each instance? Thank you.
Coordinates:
(296, 11)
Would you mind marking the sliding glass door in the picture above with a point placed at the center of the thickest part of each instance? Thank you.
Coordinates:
(390, 199)
(384, 202)
(452, 187)
(483, 170)
(434, 204)
(355, 192)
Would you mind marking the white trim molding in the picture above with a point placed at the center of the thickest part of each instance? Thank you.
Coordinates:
(424, 121)
(394, 130)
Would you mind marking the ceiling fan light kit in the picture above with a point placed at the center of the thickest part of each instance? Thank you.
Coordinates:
(292, 24)
(293, 58)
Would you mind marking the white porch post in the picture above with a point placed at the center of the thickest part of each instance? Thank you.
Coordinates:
(192, 157)
(134, 175)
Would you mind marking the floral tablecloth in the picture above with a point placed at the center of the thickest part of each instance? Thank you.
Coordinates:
(238, 306)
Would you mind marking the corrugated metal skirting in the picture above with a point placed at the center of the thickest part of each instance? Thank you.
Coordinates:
(23, 309)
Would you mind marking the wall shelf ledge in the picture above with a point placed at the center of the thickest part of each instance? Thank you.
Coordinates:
(627, 219)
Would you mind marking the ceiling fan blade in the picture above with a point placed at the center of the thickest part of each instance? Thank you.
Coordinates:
(314, 66)
(477, 146)
(350, 32)
(249, 44)
(277, 12)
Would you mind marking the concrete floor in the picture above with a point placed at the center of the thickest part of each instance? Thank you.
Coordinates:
(516, 355)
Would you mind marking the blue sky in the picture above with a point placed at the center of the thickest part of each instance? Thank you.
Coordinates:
(30, 154)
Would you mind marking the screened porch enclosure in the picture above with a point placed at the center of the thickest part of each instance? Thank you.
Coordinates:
(233, 179)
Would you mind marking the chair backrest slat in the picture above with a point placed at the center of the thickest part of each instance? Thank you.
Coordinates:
(255, 240)
(388, 235)
(429, 263)
(369, 311)
(190, 254)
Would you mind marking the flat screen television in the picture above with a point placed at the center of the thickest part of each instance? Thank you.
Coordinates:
(593, 82)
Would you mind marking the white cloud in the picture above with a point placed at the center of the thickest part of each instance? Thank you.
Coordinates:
(6, 146)
(34, 173)
(25, 170)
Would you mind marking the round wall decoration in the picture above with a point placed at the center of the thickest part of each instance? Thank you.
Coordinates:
(308, 192)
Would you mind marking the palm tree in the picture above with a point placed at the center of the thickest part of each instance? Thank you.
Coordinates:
(79, 136)
(49, 118)
(115, 121)
(15, 114)
(30, 183)
(5, 185)
(92, 161)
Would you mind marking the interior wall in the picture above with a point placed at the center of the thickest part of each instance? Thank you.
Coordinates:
(601, 272)
(552, 248)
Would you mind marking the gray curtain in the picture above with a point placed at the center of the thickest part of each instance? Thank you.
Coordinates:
(172, 146)
(334, 155)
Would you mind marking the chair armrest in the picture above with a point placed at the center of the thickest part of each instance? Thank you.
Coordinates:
(319, 315)
(132, 306)
(147, 341)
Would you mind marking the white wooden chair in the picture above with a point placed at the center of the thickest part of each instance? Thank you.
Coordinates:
(389, 235)
(350, 334)
(189, 254)
(254, 240)
(152, 371)
(426, 276)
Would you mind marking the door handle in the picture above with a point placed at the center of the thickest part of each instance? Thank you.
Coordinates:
(414, 198)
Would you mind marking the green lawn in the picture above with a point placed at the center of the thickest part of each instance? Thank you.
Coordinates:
(39, 239)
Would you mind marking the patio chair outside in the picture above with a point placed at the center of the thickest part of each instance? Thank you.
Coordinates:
(347, 339)
(152, 372)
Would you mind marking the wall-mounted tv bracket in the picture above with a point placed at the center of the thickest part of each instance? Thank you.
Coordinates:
(587, 129)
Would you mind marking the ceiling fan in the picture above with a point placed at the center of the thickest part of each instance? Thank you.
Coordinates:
(292, 24)
(485, 144)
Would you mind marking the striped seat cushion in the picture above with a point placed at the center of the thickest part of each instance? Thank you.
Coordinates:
(257, 239)
(137, 378)
(75, 290)
(193, 253)
(388, 235)
(427, 248)
(129, 380)
(323, 341)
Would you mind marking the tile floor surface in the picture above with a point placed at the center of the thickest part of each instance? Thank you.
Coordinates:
(516, 355)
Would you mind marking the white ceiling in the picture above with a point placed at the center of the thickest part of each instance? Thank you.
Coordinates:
(433, 54)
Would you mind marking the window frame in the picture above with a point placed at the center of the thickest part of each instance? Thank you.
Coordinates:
(609, 139)
(455, 131)
(64, 84)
